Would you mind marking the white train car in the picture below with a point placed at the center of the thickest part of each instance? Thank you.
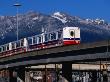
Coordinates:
(65, 36)
(15, 47)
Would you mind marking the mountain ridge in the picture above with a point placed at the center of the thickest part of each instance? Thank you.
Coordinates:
(31, 23)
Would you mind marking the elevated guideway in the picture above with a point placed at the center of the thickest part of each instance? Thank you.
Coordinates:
(72, 53)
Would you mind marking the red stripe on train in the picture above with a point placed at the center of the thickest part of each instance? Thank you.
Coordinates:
(69, 42)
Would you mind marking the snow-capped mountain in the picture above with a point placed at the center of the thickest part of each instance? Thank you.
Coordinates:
(60, 17)
(31, 23)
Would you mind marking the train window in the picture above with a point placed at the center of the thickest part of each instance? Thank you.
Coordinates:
(21, 42)
(46, 37)
(49, 36)
(3, 48)
(0, 49)
(53, 36)
(42, 38)
(17, 44)
(59, 34)
(35, 39)
(7, 47)
(30, 40)
(13, 45)
(72, 33)
(39, 39)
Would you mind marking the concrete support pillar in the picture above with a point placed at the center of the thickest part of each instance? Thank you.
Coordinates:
(45, 77)
(21, 74)
(94, 76)
(105, 77)
(12, 75)
(67, 72)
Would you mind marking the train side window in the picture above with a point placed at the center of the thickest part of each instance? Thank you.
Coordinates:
(0, 49)
(49, 36)
(21, 42)
(30, 40)
(7, 47)
(35, 39)
(39, 39)
(53, 36)
(13, 45)
(46, 37)
(17, 44)
(3, 48)
(59, 34)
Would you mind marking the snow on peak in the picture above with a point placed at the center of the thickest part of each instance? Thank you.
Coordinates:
(35, 18)
(58, 14)
(60, 17)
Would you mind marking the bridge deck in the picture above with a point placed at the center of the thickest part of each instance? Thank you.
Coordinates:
(85, 51)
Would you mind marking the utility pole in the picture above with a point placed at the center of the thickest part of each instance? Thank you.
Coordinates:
(17, 5)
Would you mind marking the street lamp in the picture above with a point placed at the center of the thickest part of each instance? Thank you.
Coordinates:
(17, 5)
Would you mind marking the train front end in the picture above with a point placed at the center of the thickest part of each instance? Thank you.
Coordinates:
(71, 35)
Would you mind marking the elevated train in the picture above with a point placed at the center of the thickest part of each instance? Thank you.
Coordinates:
(65, 36)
